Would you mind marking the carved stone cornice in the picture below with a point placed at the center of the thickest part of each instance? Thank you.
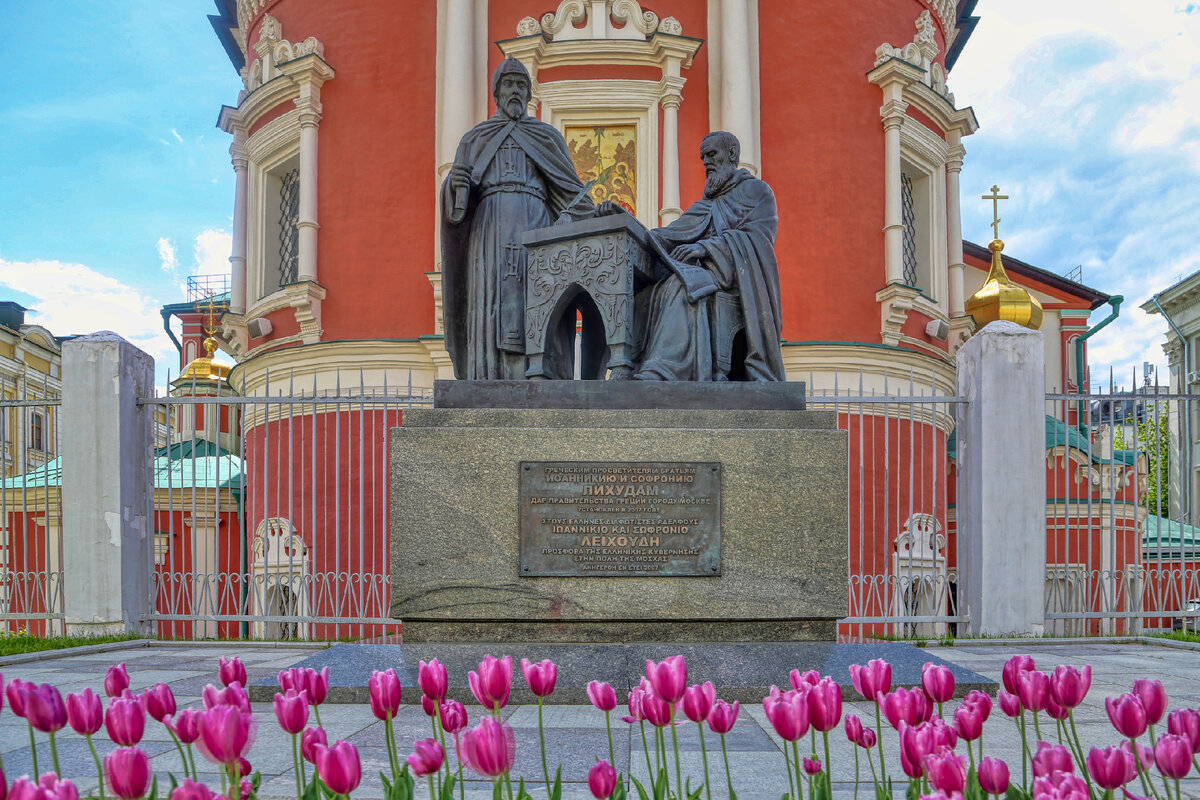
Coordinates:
(921, 53)
(593, 19)
(903, 86)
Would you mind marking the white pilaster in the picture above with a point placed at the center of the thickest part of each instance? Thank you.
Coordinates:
(458, 76)
(1002, 481)
(670, 158)
(893, 213)
(954, 224)
(237, 260)
(737, 79)
(307, 222)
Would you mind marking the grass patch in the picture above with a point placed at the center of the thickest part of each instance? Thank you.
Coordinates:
(1181, 636)
(12, 644)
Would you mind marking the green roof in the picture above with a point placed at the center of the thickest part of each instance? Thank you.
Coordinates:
(191, 464)
(1160, 533)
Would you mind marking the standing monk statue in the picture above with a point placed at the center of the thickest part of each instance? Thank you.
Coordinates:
(730, 233)
(511, 174)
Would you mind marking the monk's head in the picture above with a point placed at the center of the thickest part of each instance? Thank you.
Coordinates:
(720, 151)
(510, 88)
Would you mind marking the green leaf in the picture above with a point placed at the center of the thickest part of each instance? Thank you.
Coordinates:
(661, 785)
(619, 792)
(732, 795)
(154, 789)
(913, 792)
(642, 795)
(255, 781)
(556, 789)
(820, 787)
(447, 788)
(1016, 793)
(883, 791)
(174, 783)
(311, 792)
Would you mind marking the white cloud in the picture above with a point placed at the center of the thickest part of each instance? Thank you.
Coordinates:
(212, 252)
(166, 252)
(175, 133)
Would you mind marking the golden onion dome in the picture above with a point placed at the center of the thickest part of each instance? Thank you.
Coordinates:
(203, 368)
(999, 298)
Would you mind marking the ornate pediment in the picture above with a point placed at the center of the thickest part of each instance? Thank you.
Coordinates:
(599, 19)
(920, 52)
(273, 50)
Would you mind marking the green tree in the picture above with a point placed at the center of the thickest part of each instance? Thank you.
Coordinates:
(1153, 439)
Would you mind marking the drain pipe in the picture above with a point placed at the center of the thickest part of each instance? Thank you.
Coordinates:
(1114, 301)
(1185, 490)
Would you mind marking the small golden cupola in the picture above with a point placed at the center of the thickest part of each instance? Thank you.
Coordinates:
(999, 298)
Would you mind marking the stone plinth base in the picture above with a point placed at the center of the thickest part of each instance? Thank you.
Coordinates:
(455, 529)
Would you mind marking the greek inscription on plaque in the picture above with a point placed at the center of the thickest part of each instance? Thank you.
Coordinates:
(620, 519)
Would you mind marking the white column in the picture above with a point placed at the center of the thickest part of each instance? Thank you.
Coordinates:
(105, 482)
(205, 527)
(737, 80)
(893, 214)
(458, 67)
(670, 158)
(237, 260)
(1002, 481)
(307, 222)
(954, 229)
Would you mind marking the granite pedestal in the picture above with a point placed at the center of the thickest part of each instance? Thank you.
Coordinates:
(455, 525)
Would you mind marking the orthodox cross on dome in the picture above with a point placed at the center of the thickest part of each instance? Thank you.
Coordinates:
(995, 197)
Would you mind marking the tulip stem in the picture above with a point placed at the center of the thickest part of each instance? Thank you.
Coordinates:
(182, 755)
(645, 750)
(542, 741)
(192, 761)
(432, 796)
(1037, 726)
(1077, 749)
(99, 767)
(436, 721)
(612, 759)
(704, 753)
(317, 713)
(828, 762)
(787, 762)
(296, 766)
(856, 773)
(675, 743)
(1147, 786)
(54, 755)
(725, 755)
(1020, 720)
(33, 750)
(879, 730)
(799, 773)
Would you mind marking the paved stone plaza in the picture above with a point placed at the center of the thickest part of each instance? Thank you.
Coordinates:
(576, 734)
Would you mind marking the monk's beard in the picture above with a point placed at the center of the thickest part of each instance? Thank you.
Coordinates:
(515, 108)
(717, 181)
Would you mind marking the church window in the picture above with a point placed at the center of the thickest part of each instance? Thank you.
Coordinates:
(280, 235)
(37, 427)
(910, 230)
(916, 203)
(289, 233)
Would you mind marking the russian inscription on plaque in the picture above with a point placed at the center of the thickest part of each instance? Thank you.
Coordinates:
(631, 519)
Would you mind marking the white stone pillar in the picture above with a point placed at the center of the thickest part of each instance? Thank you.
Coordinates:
(458, 67)
(954, 228)
(1002, 481)
(237, 259)
(307, 222)
(670, 211)
(107, 538)
(737, 79)
(205, 525)
(893, 212)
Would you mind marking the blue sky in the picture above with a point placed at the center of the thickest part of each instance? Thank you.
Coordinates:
(116, 184)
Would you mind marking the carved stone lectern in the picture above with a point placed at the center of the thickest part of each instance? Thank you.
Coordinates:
(592, 268)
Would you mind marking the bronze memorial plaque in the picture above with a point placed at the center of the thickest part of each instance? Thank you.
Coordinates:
(613, 519)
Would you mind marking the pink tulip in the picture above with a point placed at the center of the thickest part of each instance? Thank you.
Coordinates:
(801, 681)
(945, 770)
(540, 677)
(128, 772)
(489, 748)
(185, 725)
(193, 790)
(427, 757)
(48, 787)
(1127, 715)
(1069, 685)
(602, 696)
(904, 705)
(1111, 767)
(723, 716)
(1010, 704)
(787, 713)
(1055, 711)
(943, 735)
(635, 705)
(1060, 786)
(160, 701)
(916, 742)
(291, 710)
(85, 715)
(125, 720)
(306, 679)
(1033, 688)
(1173, 755)
(226, 734)
(867, 739)
(854, 727)
(602, 780)
(1186, 722)
(912, 769)
(233, 695)
(812, 766)
(993, 775)
(384, 690)
(1153, 697)
(429, 705)
(433, 679)
(1145, 754)
(873, 679)
(231, 671)
(968, 722)
(656, 710)
(339, 767)
(454, 716)
(492, 683)
(938, 682)
(698, 701)
(825, 705)
(44, 707)
(15, 699)
(310, 740)
(1051, 758)
(668, 678)
(116, 681)
(980, 702)
(1012, 670)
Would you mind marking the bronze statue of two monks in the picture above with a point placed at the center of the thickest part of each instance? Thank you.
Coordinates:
(710, 312)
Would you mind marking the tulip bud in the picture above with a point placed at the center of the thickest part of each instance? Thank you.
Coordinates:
(1153, 697)
(1173, 755)
(85, 715)
(867, 739)
(656, 710)
(938, 682)
(339, 767)
(1012, 670)
(125, 720)
(812, 766)
(454, 716)
(602, 696)
(128, 772)
(160, 701)
(433, 679)
(291, 711)
(1127, 714)
(668, 678)
(801, 681)
(540, 677)
(185, 725)
(1069, 685)
(873, 679)
(226, 734)
(1186, 722)
(427, 757)
(854, 727)
(968, 722)
(44, 707)
(384, 690)
(787, 713)
(310, 740)
(1010, 704)
(492, 683)
(946, 771)
(231, 671)
(489, 748)
(116, 681)
(192, 790)
(825, 705)
(1033, 688)
(993, 775)
(1051, 758)
(602, 780)
(1111, 767)
(698, 701)
(723, 716)
(980, 702)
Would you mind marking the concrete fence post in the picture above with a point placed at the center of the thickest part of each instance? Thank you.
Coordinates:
(1001, 505)
(105, 481)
